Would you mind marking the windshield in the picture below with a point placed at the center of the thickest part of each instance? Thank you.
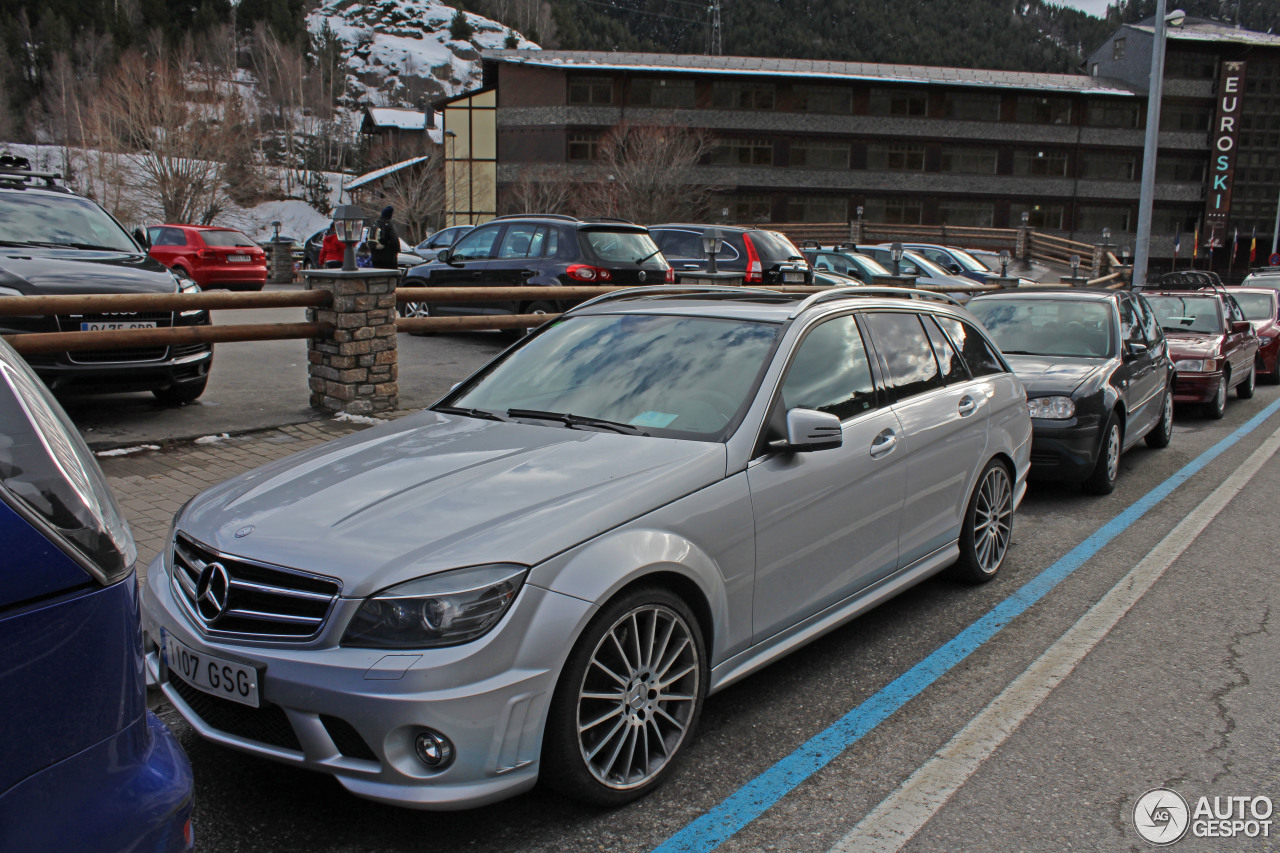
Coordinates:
(1257, 306)
(59, 220)
(622, 247)
(927, 267)
(1067, 327)
(1263, 280)
(686, 377)
(226, 238)
(1187, 313)
(968, 261)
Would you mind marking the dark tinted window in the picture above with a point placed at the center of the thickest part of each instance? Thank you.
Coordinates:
(952, 364)
(523, 241)
(773, 246)
(830, 372)
(1150, 325)
(625, 247)
(905, 349)
(1130, 323)
(226, 238)
(1257, 306)
(974, 349)
(477, 244)
(171, 237)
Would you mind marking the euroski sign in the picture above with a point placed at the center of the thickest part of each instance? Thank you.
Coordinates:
(1226, 130)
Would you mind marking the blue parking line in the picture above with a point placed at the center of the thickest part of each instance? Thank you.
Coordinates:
(755, 797)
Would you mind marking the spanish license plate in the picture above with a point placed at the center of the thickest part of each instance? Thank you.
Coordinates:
(115, 325)
(238, 259)
(214, 675)
(793, 276)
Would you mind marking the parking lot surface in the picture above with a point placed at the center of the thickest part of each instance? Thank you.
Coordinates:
(1179, 693)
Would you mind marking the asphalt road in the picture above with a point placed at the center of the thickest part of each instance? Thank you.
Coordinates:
(1181, 692)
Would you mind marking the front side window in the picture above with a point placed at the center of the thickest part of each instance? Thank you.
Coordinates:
(830, 372)
(681, 377)
(1150, 325)
(476, 245)
(903, 345)
(1257, 306)
(1130, 324)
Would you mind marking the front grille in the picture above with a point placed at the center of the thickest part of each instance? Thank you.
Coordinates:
(346, 738)
(248, 598)
(267, 724)
(71, 323)
(1044, 458)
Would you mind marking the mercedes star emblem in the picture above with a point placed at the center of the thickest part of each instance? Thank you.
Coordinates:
(212, 589)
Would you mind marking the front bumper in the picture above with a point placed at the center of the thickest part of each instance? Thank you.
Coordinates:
(354, 713)
(179, 366)
(1065, 450)
(1196, 387)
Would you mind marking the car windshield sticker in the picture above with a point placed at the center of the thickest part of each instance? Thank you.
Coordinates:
(652, 419)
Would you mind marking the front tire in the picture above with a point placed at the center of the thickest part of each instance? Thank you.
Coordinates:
(628, 698)
(1102, 480)
(988, 525)
(532, 308)
(1163, 430)
(1246, 388)
(1216, 408)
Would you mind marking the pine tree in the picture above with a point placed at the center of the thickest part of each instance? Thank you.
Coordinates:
(460, 28)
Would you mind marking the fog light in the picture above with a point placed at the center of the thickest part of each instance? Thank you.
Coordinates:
(434, 749)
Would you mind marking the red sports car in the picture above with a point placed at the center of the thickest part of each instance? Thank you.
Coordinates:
(1261, 307)
(1212, 345)
(211, 256)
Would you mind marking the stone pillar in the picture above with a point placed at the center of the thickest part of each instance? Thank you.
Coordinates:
(1021, 246)
(355, 371)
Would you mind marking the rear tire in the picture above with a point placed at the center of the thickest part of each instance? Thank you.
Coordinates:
(988, 526)
(1163, 430)
(1246, 388)
(1102, 480)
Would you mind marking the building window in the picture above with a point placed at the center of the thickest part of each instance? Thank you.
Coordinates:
(818, 209)
(1185, 117)
(743, 207)
(899, 102)
(971, 106)
(1117, 50)
(967, 214)
(1046, 216)
(676, 94)
(590, 91)
(894, 211)
(823, 99)
(1116, 114)
(895, 157)
(732, 95)
(1033, 110)
(1093, 70)
(583, 147)
(1040, 164)
(1169, 222)
(1097, 218)
(972, 161)
(820, 154)
(742, 152)
(1107, 167)
(1190, 65)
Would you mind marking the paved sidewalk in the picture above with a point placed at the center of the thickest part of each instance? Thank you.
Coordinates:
(151, 485)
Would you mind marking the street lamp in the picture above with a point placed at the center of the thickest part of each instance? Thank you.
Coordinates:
(895, 253)
(1075, 270)
(712, 240)
(1142, 244)
(1004, 263)
(859, 213)
(348, 220)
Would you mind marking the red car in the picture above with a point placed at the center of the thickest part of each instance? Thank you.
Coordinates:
(211, 256)
(1261, 307)
(1213, 346)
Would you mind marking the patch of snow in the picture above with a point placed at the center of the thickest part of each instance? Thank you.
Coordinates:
(212, 439)
(347, 418)
(125, 451)
(384, 171)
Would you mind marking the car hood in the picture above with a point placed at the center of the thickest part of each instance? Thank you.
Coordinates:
(1058, 374)
(40, 272)
(1192, 345)
(432, 492)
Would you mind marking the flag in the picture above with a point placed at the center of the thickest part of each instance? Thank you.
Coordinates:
(1195, 245)
(1177, 240)
(1253, 247)
(1235, 241)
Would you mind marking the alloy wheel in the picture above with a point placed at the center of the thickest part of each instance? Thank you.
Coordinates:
(638, 696)
(1113, 452)
(416, 309)
(993, 519)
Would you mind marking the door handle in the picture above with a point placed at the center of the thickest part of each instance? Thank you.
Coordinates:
(691, 266)
(476, 275)
(528, 273)
(967, 406)
(886, 441)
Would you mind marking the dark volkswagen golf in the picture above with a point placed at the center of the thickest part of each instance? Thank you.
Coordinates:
(1097, 373)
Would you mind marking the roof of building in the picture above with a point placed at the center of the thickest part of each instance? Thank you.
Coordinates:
(1206, 30)
(878, 72)
(377, 174)
(399, 118)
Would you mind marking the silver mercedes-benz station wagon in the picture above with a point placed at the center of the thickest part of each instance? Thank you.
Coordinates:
(546, 573)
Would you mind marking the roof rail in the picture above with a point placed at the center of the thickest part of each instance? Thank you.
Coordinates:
(681, 290)
(560, 216)
(842, 292)
(1186, 280)
(14, 169)
(611, 219)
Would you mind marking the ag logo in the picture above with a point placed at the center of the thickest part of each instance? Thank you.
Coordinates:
(1161, 816)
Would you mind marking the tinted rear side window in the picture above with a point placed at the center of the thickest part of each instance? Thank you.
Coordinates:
(974, 349)
(774, 246)
(952, 364)
(906, 352)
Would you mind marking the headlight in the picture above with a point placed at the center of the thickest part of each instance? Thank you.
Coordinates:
(439, 610)
(1189, 365)
(1052, 408)
(186, 285)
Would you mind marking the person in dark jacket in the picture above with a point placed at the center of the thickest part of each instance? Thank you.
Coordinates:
(385, 242)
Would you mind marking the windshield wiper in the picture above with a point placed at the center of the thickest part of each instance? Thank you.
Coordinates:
(575, 421)
(482, 414)
(1018, 352)
(648, 256)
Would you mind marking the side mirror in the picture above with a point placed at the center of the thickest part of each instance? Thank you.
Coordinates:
(955, 269)
(810, 430)
(444, 256)
(1136, 350)
(141, 237)
(1241, 327)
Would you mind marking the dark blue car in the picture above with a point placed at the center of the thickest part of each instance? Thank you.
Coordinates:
(83, 764)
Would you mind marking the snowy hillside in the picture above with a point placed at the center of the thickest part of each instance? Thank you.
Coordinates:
(402, 53)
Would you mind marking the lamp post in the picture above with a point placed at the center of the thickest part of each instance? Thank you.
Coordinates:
(712, 239)
(348, 219)
(1142, 243)
(1075, 270)
(1004, 263)
(895, 253)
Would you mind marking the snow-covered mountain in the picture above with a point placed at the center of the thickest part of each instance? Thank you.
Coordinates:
(401, 51)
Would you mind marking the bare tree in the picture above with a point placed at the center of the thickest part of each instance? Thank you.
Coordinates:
(540, 190)
(648, 173)
(417, 194)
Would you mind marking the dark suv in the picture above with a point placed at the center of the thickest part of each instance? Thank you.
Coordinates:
(53, 241)
(549, 250)
(766, 257)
